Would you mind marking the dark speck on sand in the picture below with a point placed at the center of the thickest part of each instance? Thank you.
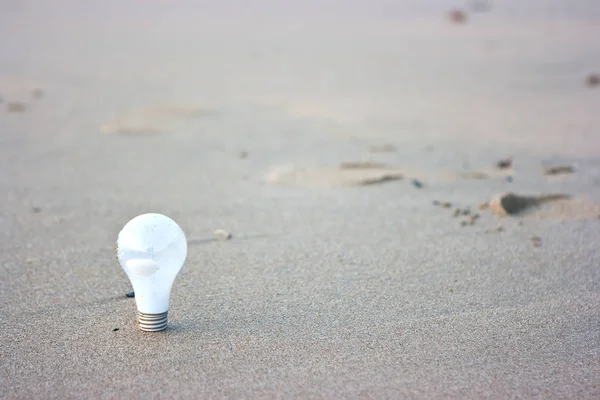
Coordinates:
(417, 183)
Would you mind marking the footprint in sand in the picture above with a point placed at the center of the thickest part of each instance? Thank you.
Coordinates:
(559, 206)
(368, 173)
(18, 93)
(445, 176)
(559, 170)
(345, 174)
(154, 120)
(16, 107)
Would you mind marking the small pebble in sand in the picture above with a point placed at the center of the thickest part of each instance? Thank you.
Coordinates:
(446, 204)
(504, 164)
(37, 93)
(509, 203)
(417, 183)
(500, 229)
(457, 16)
(466, 211)
(436, 202)
(243, 154)
(512, 204)
(536, 241)
(456, 213)
(36, 210)
(116, 329)
(463, 223)
(130, 294)
(222, 234)
(593, 80)
(16, 107)
(559, 169)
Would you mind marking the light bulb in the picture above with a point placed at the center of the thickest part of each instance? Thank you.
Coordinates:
(151, 249)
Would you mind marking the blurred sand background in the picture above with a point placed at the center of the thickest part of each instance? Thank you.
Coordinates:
(338, 282)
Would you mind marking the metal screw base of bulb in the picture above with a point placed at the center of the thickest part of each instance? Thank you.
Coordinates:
(152, 322)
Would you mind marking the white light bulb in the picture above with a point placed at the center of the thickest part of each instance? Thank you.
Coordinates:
(151, 249)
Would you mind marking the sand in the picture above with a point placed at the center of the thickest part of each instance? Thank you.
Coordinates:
(334, 282)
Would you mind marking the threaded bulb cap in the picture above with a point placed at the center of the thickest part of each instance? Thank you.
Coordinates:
(152, 322)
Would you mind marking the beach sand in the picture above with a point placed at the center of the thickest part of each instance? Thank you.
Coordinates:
(352, 153)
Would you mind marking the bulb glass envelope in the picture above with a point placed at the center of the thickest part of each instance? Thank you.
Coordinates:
(151, 249)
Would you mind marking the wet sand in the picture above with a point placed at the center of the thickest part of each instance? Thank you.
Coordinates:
(350, 157)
